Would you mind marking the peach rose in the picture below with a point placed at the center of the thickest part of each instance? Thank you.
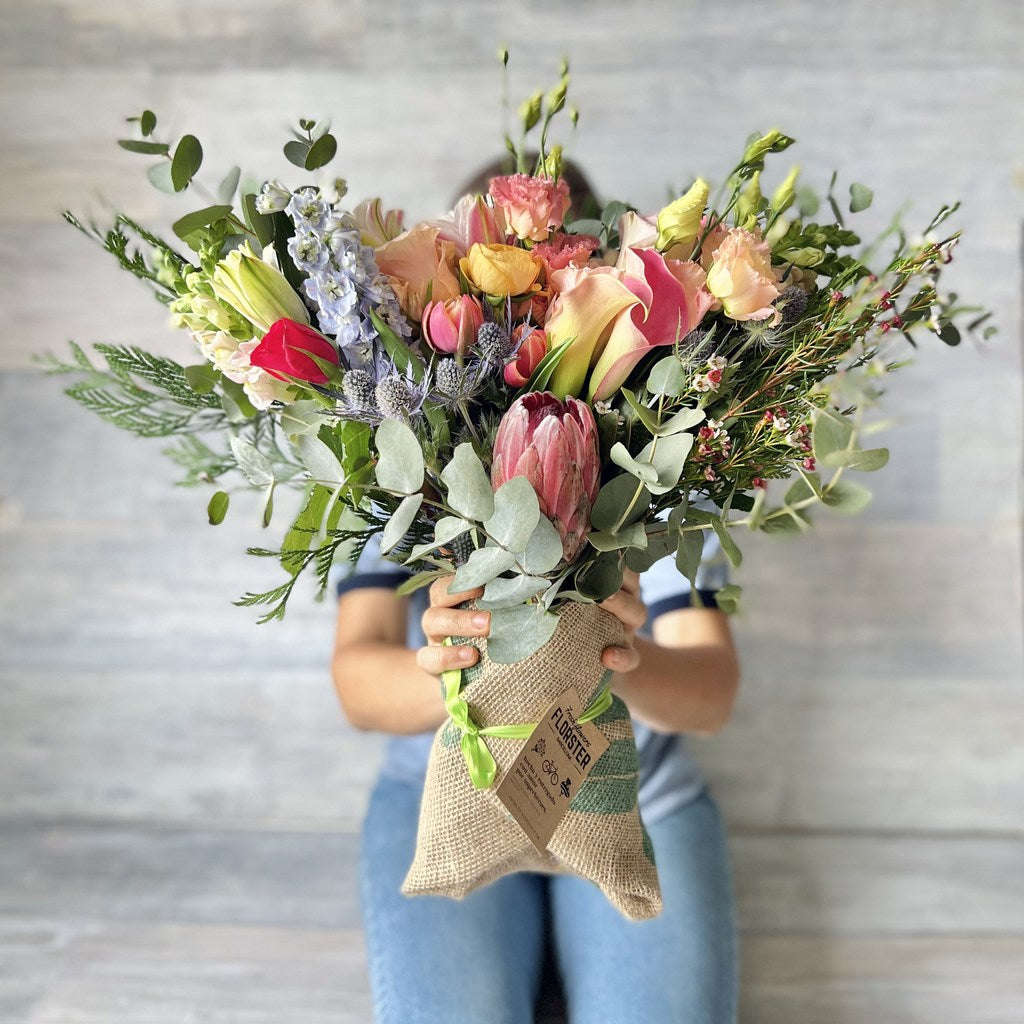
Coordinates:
(532, 206)
(741, 276)
(419, 263)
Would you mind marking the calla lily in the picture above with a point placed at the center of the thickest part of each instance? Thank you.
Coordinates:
(673, 302)
(613, 318)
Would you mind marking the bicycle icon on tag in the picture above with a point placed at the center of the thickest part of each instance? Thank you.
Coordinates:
(551, 770)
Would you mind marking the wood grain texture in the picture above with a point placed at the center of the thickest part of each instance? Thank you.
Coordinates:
(179, 798)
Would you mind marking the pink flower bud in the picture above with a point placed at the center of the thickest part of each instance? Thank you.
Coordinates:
(451, 326)
(533, 347)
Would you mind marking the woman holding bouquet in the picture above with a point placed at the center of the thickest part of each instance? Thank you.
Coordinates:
(479, 960)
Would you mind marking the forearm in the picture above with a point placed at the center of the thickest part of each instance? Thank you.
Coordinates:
(681, 689)
(382, 688)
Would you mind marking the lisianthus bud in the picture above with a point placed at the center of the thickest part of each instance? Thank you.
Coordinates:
(451, 326)
(554, 445)
(500, 269)
(260, 292)
(679, 222)
(272, 198)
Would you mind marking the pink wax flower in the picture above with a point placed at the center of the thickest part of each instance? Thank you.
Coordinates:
(554, 445)
(532, 206)
(533, 347)
(451, 326)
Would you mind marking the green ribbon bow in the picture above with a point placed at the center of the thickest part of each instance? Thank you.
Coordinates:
(478, 758)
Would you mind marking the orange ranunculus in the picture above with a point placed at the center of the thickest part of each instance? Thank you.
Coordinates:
(500, 269)
(419, 264)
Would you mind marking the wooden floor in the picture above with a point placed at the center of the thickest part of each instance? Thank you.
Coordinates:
(179, 797)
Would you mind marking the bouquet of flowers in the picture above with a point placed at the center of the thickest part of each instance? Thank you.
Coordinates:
(529, 405)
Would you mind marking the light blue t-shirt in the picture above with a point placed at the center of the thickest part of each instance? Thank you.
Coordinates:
(669, 777)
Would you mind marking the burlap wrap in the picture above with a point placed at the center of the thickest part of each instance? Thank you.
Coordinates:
(467, 839)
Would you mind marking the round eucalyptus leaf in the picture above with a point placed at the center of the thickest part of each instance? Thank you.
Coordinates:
(668, 457)
(469, 489)
(160, 176)
(400, 462)
(667, 378)
(321, 152)
(544, 549)
(320, 462)
(641, 470)
(516, 513)
(846, 496)
(622, 498)
(599, 579)
(680, 421)
(518, 632)
(482, 566)
(505, 593)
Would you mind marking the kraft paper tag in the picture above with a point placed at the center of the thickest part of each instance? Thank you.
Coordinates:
(543, 780)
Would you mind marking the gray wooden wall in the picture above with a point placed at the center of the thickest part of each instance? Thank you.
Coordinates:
(180, 796)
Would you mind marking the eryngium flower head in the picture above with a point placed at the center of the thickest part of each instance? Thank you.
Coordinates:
(358, 388)
(554, 445)
(493, 343)
(792, 303)
(399, 396)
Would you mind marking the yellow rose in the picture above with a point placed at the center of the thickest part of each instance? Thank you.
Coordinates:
(500, 269)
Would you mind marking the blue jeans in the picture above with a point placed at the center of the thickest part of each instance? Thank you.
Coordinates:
(434, 960)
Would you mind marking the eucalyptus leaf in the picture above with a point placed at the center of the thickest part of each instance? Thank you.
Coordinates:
(202, 377)
(446, 530)
(803, 488)
(320, 462)
(643, 414)
(268, 505)
(518, 632)
(160, 177)
(691, 547)
(260, 224)
(641, 470)
(321, 152)
(419, 580)
(228, 185)
(482, 566)
(622, 498)
(184, 226)
(729, 546)
(398, 525)
(504, 593)
(867, 460)
(831, 433)
(187, 159)
(400, 460)
(659, 545)
(217, 509)
(599, 579)
(682, 420)
(667, 378)
(544, 550)
(516, 514)
(792, 522)
(846, 496)
(296, 151)
(634, 536)
(149, 148)
(860, 197)
(147, 122)
(728, 598)
(667, 456)
(469, 489)
(252, 462)
(305, 417)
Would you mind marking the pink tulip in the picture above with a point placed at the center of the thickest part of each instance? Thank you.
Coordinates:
(554, 445)
(533, 347)
(472, 220)
(451, 326)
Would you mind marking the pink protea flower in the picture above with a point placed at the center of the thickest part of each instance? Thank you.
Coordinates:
(532, 206)
(554, 445)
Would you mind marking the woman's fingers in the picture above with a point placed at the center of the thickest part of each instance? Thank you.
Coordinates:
(620, 659)
(439, 623)
(436, 659)
(627, 608)
(440, 598)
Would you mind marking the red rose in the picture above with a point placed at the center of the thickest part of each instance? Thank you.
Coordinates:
(286, 349)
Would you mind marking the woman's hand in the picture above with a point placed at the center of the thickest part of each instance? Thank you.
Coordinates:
(630, 610)
(443, 619)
